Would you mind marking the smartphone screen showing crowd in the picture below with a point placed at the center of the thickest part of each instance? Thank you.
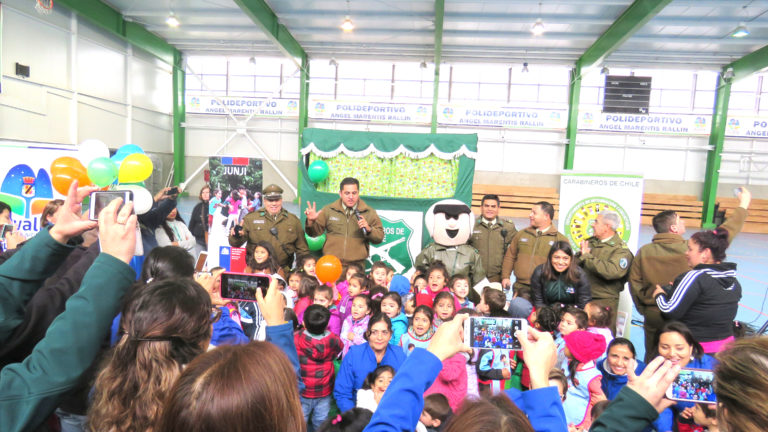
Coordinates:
(243, 286)
(100, 199)
(693, 385)
(495, 333)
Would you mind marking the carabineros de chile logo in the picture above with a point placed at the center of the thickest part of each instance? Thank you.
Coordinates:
(578, 220)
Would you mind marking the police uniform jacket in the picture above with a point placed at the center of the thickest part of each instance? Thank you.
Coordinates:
(491, 241)
(607, 266)
(344, 238)
(290, 235)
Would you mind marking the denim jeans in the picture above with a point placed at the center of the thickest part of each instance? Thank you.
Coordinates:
(316, 410)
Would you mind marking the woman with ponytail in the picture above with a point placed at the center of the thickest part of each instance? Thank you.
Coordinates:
(165, 325)
(705, 298)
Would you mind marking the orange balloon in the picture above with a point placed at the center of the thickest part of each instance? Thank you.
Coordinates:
(65, 170)
(328, 269)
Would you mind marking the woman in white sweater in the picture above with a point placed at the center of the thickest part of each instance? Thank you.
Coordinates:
(173, 232)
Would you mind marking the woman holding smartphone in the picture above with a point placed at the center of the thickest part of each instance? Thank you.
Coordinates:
(675, 342)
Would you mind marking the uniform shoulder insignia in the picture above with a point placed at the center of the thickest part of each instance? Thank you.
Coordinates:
(261, 213)
(623, 263)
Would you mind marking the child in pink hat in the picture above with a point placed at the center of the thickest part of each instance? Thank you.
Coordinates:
(582, 348)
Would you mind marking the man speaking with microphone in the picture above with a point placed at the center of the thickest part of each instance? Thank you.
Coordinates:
(349, 223)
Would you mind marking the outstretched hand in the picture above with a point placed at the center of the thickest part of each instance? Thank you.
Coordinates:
(69, 217)
(311, 211)
(449, 338)
(654, 381)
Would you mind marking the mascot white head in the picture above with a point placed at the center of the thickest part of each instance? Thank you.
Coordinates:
(449, 222)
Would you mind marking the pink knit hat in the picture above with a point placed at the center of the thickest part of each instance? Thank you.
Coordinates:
(585, 346)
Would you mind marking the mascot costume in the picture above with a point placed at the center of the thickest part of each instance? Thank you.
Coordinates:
(450, 223)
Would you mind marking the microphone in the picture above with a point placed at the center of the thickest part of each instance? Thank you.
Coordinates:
(357, 213)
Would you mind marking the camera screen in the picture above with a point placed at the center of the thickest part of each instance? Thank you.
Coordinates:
(101, 199)
(694, 385)
(243, 287)
(498, 333)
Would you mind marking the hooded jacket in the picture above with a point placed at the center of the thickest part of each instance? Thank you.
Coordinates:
(705, 299)
(316, 354)
(399, 327)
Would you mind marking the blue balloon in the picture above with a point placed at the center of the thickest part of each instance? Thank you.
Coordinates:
(126, 150)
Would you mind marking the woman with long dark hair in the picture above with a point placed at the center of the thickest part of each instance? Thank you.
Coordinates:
(560, 280)
(165, 325)
(174, 232)
(198, 222)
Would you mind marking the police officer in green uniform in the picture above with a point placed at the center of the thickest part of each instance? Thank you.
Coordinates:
(491, 237)
(274, 224)
(606, 260)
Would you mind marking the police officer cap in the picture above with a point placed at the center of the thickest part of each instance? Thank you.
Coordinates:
(272, 192)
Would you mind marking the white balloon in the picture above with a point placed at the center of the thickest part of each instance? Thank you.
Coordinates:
(142, 199)
(91, 149)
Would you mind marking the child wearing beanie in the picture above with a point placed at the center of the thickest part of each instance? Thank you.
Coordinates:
(582, 348)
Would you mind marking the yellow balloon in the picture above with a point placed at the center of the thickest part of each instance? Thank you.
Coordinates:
(135, 168)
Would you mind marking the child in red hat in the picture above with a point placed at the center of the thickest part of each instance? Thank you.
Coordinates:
(582, 348)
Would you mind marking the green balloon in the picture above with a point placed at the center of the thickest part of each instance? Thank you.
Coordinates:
(102, 171)
(315, 243)
(318, 171)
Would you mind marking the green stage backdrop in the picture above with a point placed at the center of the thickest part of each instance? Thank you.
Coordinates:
(401, 175)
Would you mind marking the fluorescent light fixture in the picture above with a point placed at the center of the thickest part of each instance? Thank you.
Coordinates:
(740, 31)
(172, 21)
(347, 25)
(538, 28)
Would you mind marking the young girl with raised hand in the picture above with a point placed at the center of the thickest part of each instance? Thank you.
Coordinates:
(460, 289)
(420, 332)
(582, 348)
(390, 306)
(444, 308)
(615, 367)
(355, 325)
(599, 321)
(375, 385)
(358, 284)
(378, 274)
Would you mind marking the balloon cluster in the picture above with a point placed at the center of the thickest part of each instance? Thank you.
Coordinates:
(128, 168)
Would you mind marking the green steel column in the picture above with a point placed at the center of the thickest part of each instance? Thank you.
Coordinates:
(179, 116)
(303, 109)
(439, 15)
(716, 138)
(574, 92)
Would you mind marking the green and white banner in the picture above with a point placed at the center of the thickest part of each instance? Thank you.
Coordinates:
(402, 240)
(583, 196)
